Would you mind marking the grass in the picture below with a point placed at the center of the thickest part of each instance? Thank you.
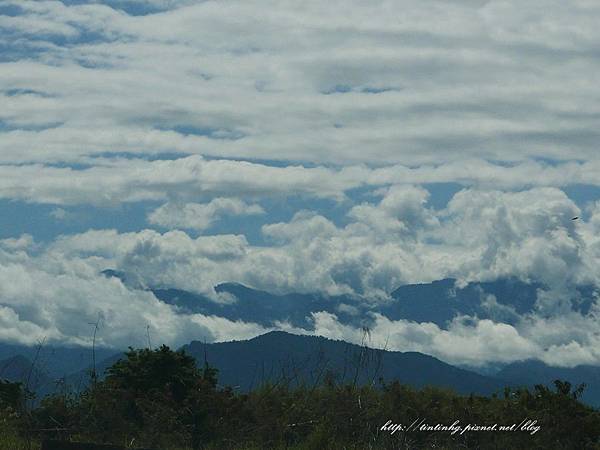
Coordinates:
(10, 441)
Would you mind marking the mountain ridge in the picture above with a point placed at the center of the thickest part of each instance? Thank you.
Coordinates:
(278, 356)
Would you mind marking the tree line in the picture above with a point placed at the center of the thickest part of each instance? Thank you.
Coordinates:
(160, 398)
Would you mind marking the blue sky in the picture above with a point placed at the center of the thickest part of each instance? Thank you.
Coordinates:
(47, 222)
(292, 148)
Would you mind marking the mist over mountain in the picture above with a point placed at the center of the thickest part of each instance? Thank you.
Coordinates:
(275, 356)
(504, 300)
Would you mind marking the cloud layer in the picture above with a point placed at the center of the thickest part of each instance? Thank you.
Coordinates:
(411, 82)
(55, 289)
(211, 112)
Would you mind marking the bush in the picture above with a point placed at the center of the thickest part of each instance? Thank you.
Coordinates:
(161, 399)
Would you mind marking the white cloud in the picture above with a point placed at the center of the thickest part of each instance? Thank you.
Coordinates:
(55, 296)
(527, 234)
(100, 107)
(116, 181)
(56, 289)
(481, 235)
(476, 343)
(110, 181)
(417, 82)
(402, 211)
(23, 242)
(200, 216)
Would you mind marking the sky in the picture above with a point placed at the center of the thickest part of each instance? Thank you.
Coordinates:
(331, 147)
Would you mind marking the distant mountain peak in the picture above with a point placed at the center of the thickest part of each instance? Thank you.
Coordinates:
(237, 288)
(301, 357)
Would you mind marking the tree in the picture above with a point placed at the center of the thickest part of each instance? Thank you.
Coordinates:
(12, 395)
(147, 372)
(152, 396)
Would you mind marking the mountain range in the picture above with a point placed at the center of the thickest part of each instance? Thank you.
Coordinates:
(503, 300)
(278, 356)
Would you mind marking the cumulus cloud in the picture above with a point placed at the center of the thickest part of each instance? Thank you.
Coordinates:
(55, 294)
(396, 239)
(199, 216)
(402, 211)
(23, 242)
(209, 108)
(55, 289)
(528, 234)
(563, 341)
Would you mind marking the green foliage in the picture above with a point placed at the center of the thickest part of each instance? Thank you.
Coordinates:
(154, 372)
(161, 399)
(155, 397)
(12, 400)
(11, 395)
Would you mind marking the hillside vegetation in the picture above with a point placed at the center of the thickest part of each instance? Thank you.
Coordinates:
(161, 399)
